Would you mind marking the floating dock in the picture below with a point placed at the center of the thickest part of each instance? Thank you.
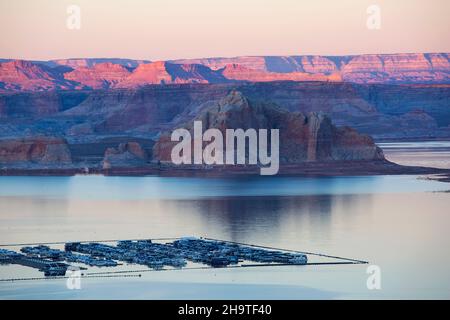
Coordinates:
(175, 253)
(48, 267)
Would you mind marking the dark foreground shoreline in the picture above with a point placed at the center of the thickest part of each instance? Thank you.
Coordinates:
(310, 169)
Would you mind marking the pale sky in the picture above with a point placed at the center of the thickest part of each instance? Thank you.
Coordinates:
(170, 29)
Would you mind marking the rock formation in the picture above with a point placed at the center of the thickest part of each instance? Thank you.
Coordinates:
(239, 72)
(161, 72)
(303, 138)
(128, 154)
(420, 68)
(20, 75)
(36, 150)
(91, 62)
(100, 76)
(382, 111)
(368, 68)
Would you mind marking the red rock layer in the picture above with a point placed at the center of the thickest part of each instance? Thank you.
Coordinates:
(42, 150)
(414, 68)
(102, 75)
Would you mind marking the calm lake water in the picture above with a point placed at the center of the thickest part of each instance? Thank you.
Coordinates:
(399, 223)
(428, 153)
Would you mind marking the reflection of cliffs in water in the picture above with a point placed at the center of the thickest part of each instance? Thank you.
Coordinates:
(236, 217)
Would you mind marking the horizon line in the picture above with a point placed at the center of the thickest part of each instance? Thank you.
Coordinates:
(227, 57)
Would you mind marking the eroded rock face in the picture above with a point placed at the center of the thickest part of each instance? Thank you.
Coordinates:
(406, 111)
(91, 62)
(303, 138)
(408, 68)
(161, 72)
(39, 150)
(239, 72)
(100, 76)
(126, 155)
(20, 75)
(367, 68)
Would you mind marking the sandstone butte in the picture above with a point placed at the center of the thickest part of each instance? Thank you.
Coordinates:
(303, 138)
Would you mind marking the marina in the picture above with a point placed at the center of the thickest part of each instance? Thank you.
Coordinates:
(49, 267)
(155, 254)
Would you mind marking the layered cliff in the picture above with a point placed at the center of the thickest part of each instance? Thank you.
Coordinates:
(382, 111)
(20, 75)
(302, 138)
(370, 68)
(239, 72)
(161, 72)
(41, 151)
(99, 76)
(422, 68)
(129, 154)
(91, 62)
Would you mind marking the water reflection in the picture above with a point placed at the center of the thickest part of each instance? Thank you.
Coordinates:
(258, 219)
(129, 188)
(396, 222)
(403, 232)
(265, 215)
